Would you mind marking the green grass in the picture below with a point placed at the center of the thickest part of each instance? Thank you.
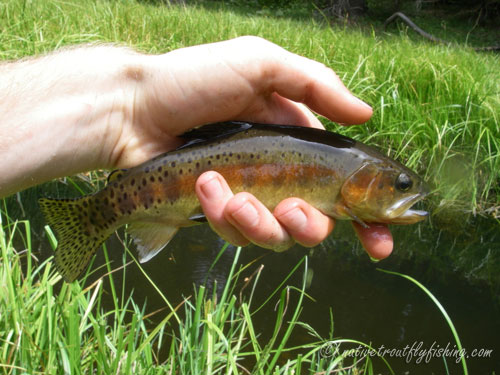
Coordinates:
(47, 330)
(435, 107)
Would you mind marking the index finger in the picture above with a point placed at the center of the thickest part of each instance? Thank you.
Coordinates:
(319, 88)
(306, 81)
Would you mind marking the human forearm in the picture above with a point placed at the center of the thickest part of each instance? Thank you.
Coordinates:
(59, 113)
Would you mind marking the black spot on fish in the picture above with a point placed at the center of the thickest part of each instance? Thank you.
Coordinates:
(146, 169)
(160, 179)
(238, 156)
(180, 171)
(197, 165)
(152, 178)
(160, 168)
(209, 162)
(165, 174)
(144, 182)
(132, 182)
(122, 187)
(172, 164)
(111, 193)
(124, 196)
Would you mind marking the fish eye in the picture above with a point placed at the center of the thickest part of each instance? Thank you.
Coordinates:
(404, 182)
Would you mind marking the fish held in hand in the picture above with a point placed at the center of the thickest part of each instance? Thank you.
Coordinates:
(343, 178)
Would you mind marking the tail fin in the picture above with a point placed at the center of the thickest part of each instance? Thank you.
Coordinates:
(78, 239)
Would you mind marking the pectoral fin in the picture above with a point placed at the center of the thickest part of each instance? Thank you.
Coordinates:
(355, 218)
(150, 238)
(199, 218)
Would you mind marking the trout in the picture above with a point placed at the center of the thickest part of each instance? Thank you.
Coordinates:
(343, 178)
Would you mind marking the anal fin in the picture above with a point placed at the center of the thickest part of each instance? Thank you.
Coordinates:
(150, 238)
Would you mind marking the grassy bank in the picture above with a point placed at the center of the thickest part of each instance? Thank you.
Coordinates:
(435, 107)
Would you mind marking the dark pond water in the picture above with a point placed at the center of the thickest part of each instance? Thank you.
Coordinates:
(458, 260)
(367, 305)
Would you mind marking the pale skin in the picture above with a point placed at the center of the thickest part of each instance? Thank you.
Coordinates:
(107, 107)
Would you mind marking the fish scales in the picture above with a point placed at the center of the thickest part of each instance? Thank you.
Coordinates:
(270, 161)
(167, 183)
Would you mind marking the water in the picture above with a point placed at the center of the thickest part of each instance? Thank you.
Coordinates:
(456, 258)
(367, 305)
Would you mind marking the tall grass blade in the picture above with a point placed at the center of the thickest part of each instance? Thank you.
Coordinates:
(441, 308)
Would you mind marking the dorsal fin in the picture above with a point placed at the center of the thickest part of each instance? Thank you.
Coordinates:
(225, 129)
(213, 131)
(219, 129)
(116, 175)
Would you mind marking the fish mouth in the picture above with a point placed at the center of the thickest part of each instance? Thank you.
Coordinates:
(401, 212)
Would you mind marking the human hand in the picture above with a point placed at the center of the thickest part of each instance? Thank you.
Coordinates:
(245, 78)
(272, 86)
(122, 108)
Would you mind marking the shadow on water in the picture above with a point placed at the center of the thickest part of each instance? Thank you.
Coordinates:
(458, 266)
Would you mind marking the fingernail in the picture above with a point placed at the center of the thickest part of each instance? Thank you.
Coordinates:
(362, 102)
(246, 215)
(294, 219)
(212, 189)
